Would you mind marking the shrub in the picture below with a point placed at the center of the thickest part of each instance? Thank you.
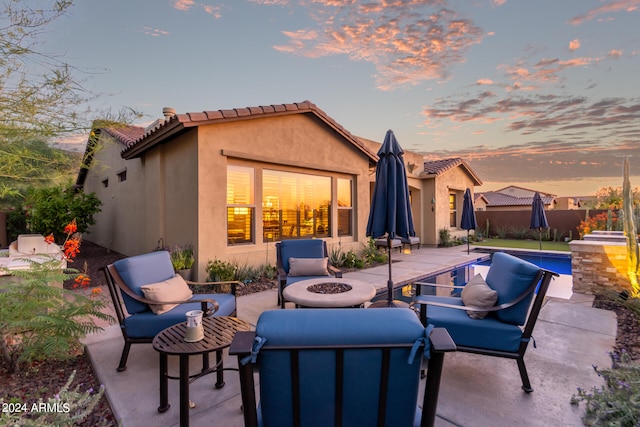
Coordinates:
(618, 401)
(182, 257)
(48, 210)
(336, 257)
(372, 254)
(445, 238)
(220, 271)
(72, 406)
(502, 232)
(39, 320)
(519, 232)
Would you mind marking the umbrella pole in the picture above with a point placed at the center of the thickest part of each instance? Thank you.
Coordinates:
(390, 281)
(540, 237)
(467, 242)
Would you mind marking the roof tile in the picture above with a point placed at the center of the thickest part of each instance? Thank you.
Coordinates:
(229, 113)
(243, 112)
(213, 115)
(197, 117)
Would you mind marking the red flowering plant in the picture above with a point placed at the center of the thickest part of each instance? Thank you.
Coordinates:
(39, 319)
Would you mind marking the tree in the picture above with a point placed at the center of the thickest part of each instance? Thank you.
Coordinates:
(612, 198)
(41, 99)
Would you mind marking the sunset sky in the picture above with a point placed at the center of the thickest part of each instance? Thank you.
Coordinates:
(544, 94)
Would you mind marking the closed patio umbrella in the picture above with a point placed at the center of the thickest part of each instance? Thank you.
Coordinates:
(390, 213)
(468, 221)
(538, 217)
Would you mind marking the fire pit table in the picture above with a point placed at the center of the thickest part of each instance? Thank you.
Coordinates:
(329, 292)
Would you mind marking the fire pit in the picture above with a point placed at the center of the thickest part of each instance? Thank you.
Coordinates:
(329, 288)
(329, 292)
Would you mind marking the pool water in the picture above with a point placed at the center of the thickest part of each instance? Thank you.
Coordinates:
(461, 274)
(558, 263)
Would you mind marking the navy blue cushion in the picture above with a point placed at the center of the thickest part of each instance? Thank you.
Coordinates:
(305, 248)
(148, 324)
(140, 270)
(489, 333)
(331, 327)
(510, 276)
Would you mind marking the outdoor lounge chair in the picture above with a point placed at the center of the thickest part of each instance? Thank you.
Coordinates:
(139, 323)
(301, 260)
(509, 313)
(339, 367)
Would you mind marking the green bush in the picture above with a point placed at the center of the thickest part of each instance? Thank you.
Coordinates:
(39, 321)
(221, 271)
(445, 238)
(48, 210)
(182, 257)
(336, 257)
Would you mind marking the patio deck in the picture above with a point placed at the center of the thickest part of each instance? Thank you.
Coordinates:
(476, 390)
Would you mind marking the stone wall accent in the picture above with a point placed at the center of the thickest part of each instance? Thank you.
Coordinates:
(599, 264)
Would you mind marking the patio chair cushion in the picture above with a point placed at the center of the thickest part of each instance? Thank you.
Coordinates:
(476, 293)
(174, 289)
(326, 327)
(308, 266)
(141, 270)
(490, 333)
(306, 248)
(510, 277)
(148, 324)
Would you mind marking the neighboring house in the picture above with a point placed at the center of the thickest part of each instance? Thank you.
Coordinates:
(569, 203)
(514, 198)
(233, 182)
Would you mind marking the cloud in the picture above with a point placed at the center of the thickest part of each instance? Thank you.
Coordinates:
(574, 44)
(407, 41)
(187, 5)
(155, 32)
(612, 7)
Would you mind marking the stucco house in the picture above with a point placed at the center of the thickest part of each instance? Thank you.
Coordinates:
(512, 198)
(234, 182)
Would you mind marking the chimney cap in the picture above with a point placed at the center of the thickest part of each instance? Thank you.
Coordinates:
(168, 112)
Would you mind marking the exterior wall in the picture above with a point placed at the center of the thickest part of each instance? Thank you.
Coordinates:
(453, 180)
(156, 201)
(596, 265)
(311, 147)
(116, 227)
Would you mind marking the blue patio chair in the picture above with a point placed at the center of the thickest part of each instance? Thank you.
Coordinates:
(494, 318)
(126, 279)
(301, 260)
(339, 367)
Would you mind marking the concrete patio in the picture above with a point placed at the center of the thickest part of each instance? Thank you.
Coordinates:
(571, 336)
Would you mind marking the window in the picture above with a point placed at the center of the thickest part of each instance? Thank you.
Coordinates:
(122, 175)
(240, 205)
(453, 219)
(345, 207)
(105, 182)
(295, 205)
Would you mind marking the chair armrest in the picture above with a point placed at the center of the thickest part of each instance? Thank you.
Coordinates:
(334, 271)
(455, 307)
(282, 275)
(441, 340)
(242, 343)
(436, 285)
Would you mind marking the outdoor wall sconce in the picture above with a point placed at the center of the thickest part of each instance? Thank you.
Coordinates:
(433, 204)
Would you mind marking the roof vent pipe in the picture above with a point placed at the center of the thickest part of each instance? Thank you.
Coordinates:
(168, 112)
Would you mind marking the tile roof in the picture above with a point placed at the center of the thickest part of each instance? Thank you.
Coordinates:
(180, 122)
(438, 167)
(498, 199)
(127, 135)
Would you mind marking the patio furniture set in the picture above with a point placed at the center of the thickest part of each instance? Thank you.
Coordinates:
(328, 366)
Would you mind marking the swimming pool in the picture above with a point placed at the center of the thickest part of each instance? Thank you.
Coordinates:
(556, 262)
(458, 275)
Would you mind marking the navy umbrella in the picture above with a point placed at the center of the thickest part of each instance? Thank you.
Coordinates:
(390, 212)
(538, 217)
(468, 221)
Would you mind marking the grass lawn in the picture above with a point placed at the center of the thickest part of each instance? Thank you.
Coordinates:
(524, 244)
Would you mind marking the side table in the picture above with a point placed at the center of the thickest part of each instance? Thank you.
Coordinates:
(218, 334)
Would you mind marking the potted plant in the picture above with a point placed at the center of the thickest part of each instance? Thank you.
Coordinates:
(182, 260)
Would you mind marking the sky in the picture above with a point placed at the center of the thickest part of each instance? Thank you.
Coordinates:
(542, 94)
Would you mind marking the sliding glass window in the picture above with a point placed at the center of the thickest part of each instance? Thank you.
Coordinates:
(345, 207)
(295, 205)
(240, 205)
